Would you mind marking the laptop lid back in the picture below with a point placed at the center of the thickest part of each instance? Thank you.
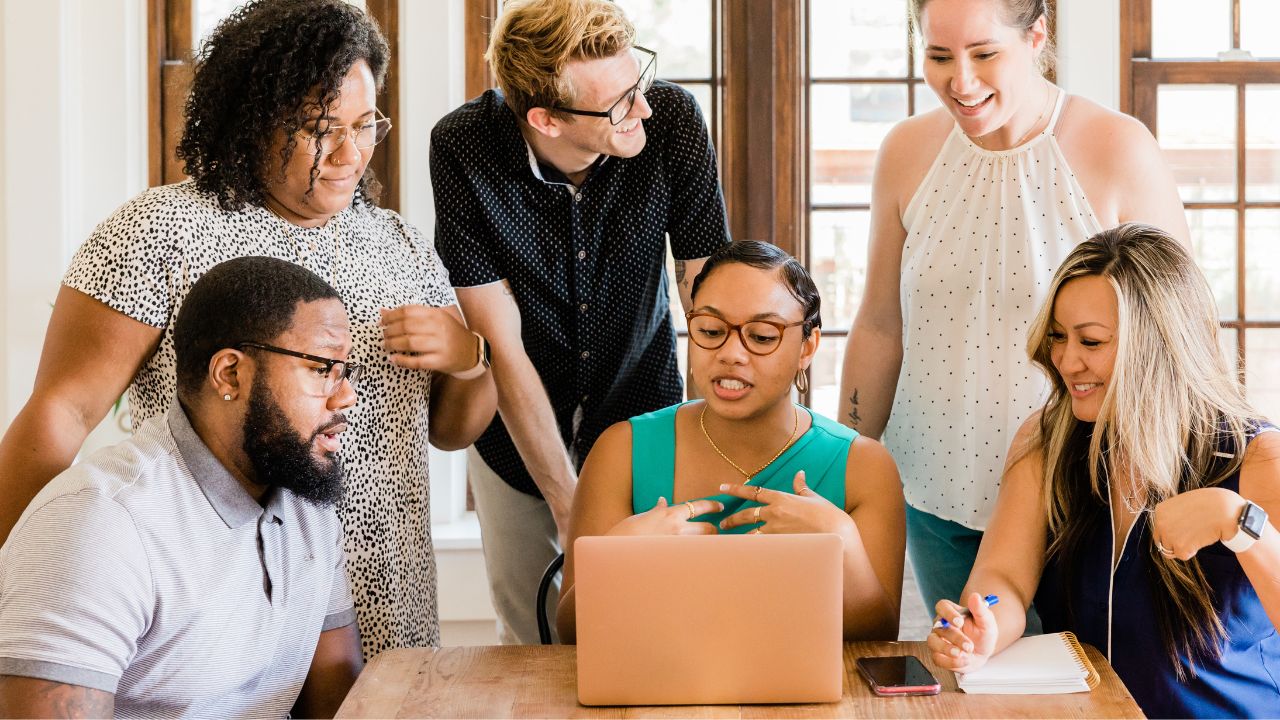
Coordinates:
(709, 619)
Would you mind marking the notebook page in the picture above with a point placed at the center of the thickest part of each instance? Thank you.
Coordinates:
(1033, 660)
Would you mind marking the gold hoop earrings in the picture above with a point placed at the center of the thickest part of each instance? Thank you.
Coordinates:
(802, 382)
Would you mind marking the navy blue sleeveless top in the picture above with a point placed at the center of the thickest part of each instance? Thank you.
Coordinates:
(1118, 617)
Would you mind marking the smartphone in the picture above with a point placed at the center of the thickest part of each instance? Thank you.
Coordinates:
(898, 675)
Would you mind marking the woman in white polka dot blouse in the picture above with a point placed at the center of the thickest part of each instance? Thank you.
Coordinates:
(974, 205)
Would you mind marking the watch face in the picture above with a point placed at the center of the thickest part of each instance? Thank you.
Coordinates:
(1253, 519)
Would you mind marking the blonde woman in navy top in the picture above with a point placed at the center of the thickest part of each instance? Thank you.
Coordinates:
(746, 458)
(1135, 505)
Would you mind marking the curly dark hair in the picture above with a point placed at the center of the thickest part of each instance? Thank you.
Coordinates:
(254, 75)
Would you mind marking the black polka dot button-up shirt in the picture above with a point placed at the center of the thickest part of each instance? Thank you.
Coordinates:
(587, 264)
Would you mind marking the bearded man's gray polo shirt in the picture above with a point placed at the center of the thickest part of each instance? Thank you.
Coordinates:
(148, 571)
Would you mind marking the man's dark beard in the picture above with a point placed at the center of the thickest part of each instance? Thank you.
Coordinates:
(281, 457)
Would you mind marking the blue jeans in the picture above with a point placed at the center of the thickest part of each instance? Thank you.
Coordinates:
(942, 554)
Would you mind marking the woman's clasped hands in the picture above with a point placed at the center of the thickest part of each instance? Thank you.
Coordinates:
(805, 511)
(664, 519)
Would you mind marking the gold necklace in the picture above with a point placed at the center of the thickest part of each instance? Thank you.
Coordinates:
(1048, 97)
(291, 232)
(702, 424)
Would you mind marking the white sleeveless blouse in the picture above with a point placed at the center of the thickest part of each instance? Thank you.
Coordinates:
(986, 230)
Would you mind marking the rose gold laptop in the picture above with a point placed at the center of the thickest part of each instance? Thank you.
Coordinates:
(709, 619)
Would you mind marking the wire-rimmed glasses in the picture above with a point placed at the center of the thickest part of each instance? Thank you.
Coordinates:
(365, 135)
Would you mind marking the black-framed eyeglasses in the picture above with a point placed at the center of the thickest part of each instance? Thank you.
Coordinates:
(619, 111)
(759, 337)
(333, 371)
(365, 135)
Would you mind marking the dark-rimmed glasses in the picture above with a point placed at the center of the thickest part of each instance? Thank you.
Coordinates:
(365, 135)
(759, 337)
(333, 371)
(619, 111)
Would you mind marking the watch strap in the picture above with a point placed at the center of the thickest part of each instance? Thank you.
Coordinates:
(482, 362)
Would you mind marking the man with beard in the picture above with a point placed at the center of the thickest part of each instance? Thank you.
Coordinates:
(197, 568)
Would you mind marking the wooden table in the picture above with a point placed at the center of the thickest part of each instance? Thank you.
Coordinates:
(541, 682)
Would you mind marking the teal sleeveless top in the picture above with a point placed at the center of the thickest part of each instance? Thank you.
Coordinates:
(822, 452)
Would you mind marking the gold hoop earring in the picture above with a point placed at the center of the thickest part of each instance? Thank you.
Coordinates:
(802, 382)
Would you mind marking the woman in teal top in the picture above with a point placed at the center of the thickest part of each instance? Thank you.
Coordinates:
(746, 458)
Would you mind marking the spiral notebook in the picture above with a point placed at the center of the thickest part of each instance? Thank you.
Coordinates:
(1034, 665)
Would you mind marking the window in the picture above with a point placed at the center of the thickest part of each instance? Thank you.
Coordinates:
(1204, 76)
(865, 75)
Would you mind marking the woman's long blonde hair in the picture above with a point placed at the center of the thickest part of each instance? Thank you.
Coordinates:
(1172, 402)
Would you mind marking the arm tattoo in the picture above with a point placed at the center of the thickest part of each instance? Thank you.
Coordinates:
(854, 417)
(680, 272)
(52, 699)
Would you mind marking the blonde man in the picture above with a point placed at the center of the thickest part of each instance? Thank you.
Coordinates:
(554, 199)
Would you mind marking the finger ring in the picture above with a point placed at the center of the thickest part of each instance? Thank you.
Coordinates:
(692, 512)
(757, 514)
(754, 532)
(1163, 550)
(756, 497)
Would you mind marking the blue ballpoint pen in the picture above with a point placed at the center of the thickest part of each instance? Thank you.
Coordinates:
(989, 600)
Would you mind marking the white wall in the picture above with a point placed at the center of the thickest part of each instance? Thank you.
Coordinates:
(74, 148)
(1089, 49)
(4, 249)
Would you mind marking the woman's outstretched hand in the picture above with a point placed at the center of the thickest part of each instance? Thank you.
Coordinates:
(663, 519)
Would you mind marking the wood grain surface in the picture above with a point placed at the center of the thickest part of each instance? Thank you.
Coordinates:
(541, 682)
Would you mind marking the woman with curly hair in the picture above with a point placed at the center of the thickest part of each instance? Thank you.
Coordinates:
(280, 127)
(1134, 507)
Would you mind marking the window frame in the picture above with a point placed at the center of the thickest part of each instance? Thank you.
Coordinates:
(1141, 75)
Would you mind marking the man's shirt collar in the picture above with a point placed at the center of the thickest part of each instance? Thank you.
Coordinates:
(228, 497)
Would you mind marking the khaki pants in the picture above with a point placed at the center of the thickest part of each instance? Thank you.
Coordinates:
(518, 535)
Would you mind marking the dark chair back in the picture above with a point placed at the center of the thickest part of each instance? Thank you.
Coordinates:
(544, 626)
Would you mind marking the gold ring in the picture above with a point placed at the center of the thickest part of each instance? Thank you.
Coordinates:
(692, 512)
(757, 514)
(756, 497)
(755, 532)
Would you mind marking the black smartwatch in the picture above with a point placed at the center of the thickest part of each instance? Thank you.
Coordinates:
(1252, 520)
